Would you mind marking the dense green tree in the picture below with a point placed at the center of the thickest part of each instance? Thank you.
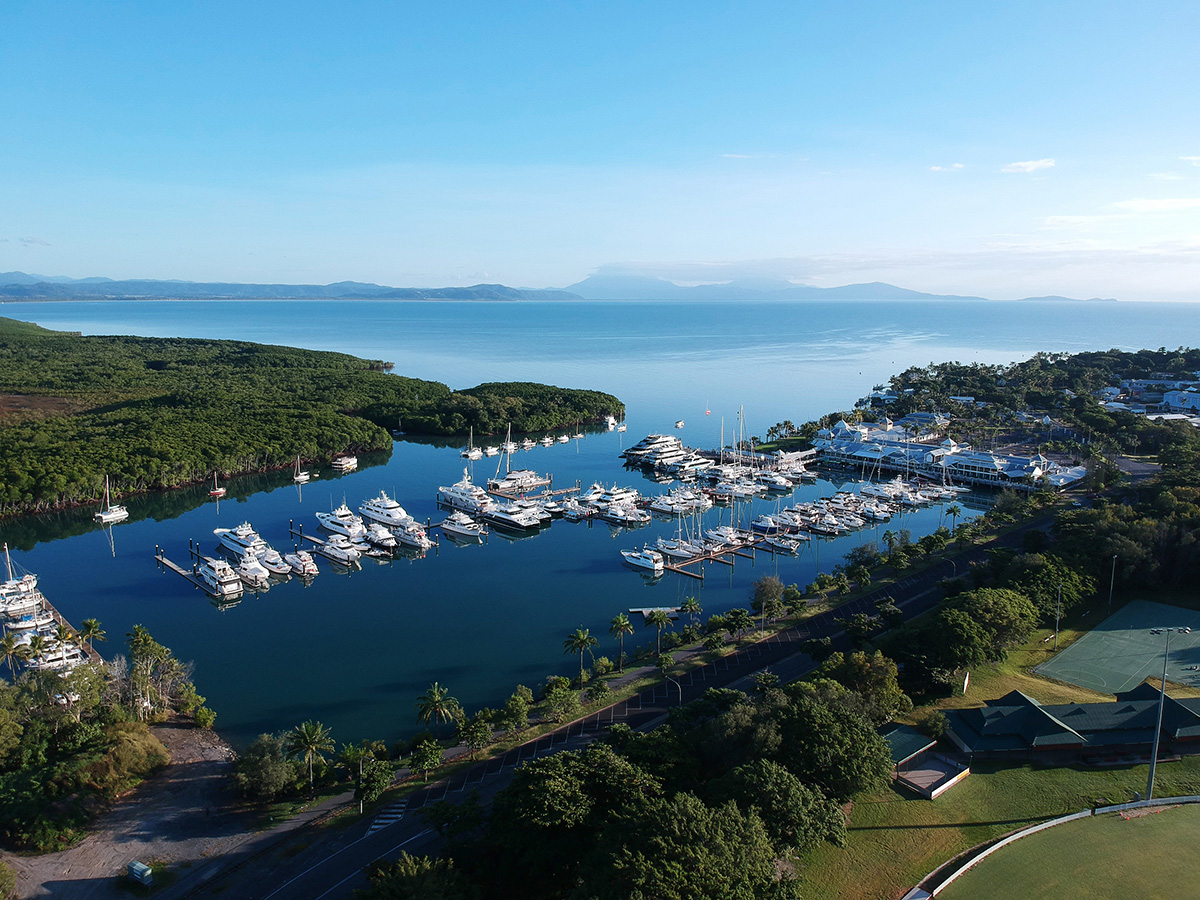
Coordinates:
(417, 878)
(1006, 615)
(265, 770)
(833, 749)
(680, 849)
(795, 816)
(426, 757)
(374, 778)
(872, 676)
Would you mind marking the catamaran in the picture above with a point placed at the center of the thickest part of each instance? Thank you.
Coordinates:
(110, 513)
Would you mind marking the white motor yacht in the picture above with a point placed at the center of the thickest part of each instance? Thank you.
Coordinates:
(645, 558)
(219, 577)
(491, 451)
(302, 563)
(252, 572)
(413, 535)
(339, 549)
(384, 510)
(509, 515)
(345, 464)
(343, 521)
(242, 539)
(465, 495)
(459, 526)
(625, 514)
(379, 536)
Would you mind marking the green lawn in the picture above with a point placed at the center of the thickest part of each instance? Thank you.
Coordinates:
(1151, 856)
(895, 838)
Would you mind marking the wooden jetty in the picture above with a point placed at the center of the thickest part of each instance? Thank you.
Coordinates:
(160, 557)
(90, 653)
(712, 556)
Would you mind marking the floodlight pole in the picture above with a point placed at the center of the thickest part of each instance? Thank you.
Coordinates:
(1057, 616)
(1162, 699)
(1111, 582)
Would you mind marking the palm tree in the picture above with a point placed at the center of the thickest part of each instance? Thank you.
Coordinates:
(618, 628)
(436, 706)
(692, 607)
(12, 652)
(578, 641)
(660, 619)
(91, 631)
(65, 636)
(310, 741)
(954, 511)
(890, 537)
(37, 646)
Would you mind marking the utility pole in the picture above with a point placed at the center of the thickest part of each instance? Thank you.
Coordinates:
(1111, 582)
(1057, 616)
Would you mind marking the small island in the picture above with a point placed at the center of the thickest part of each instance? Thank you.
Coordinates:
(157, 413)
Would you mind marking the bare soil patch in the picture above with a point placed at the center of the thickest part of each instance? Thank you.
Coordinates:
(184, 813)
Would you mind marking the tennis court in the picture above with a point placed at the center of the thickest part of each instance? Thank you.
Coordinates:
(1121, 652)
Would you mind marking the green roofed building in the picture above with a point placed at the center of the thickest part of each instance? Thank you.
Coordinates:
(1016, 725)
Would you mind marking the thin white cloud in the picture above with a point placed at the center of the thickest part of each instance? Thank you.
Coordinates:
(1158, 204)
(33, 242)
(952, 168)
(1165, 176)
(1194, 160)
(737, 156)
(1031, 165)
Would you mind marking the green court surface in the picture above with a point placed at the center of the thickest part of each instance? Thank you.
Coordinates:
(1121, 652)
(1150, 854)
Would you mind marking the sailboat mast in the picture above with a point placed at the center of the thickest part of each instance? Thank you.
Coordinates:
(8, 561)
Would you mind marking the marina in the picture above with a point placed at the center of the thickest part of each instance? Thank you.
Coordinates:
(513, 598)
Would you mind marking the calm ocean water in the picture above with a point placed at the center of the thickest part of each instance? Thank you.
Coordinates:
(356, 650)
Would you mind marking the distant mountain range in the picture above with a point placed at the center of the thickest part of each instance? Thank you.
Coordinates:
(22, 286)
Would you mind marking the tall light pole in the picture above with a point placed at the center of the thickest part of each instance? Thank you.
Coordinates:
(1162, 699)
(1112, 581)
(1057, 616)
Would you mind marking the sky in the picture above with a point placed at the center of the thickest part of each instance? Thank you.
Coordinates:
(1003, 150)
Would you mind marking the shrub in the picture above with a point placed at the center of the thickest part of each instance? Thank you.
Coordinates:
(205, 717)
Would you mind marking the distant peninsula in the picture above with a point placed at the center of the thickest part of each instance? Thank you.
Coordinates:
(154, 413)
(16, 286)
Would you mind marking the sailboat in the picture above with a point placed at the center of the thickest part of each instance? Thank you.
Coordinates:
(301, 477)
(217, 491)
(110, 513)
(471, 451)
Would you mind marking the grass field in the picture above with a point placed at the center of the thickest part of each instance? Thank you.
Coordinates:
(1149, 856)
(895, 839)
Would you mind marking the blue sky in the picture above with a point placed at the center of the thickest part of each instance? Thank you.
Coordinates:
(996, 149)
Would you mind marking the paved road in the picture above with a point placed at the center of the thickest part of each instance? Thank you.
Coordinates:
(332, 866)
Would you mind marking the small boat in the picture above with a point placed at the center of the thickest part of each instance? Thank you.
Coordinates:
(779, 543)
(547, 441)
(679, 423)
(459, 526)
(272, 561)
(564, 439)
(217, 490)
(345, 464)
(577, 436)
(491, 451)
(471, 451)
(110, 513)
(527, 444)
(302, 563)
(622, 427)
(300, 476)
(610, 422)
(645, 558)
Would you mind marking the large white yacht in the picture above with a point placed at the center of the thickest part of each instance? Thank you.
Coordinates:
(518, 481)
(465, 495)
(220, 577)
(343, 521)
(302, 563)
(459, 526)
(645, 558)
(509, 515)
(384, 510)
(413, 535)
(242, 539)
(648, 443)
